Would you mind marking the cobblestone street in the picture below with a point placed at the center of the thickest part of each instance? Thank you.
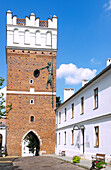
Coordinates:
(42, 163)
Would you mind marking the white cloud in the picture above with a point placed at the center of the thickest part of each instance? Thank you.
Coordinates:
(94, 61)
(107, 6)
(74, 75)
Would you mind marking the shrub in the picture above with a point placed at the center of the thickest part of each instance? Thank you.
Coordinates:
(100, 165)
(76, 159)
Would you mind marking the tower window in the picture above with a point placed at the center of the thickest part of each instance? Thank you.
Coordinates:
(32, 118)
(31, 101)
(31, 81)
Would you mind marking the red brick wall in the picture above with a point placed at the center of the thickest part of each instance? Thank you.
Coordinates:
(20, 67)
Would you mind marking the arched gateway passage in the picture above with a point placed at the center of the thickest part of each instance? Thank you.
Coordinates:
(30, 144)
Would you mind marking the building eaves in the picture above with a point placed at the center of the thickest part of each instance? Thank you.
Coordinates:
(86, 85)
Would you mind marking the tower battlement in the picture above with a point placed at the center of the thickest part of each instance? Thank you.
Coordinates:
(31, 32)
(31, 21)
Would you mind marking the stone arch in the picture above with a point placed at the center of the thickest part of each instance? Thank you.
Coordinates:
(38, 142)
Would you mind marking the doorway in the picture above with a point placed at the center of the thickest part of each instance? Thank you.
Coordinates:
(30, 145)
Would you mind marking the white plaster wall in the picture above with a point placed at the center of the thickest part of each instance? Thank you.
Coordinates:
(3, 133)
(32, 26)
(104, 98)
(21, 43)
(90, 119)
(89, 139)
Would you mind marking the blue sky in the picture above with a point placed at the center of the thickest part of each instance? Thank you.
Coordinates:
(84, 36)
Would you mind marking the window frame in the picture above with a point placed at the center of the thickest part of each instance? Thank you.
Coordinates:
(96, 136)
(96, 98)
(59, 117)
(59, 138)
(65, 115)
(65, 138)
(82, 105)
(72, 110)
(72, 133)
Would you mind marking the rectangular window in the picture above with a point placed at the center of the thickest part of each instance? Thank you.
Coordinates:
(59, 117)
(72, 137)
(82, 105)
(59, 138)
(65, 114)
(64, 138)
(73, 110)
(97, 136)
(95, 98)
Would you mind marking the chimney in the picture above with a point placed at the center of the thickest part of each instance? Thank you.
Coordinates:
(68, 92)
(84, 81)
(108, 61)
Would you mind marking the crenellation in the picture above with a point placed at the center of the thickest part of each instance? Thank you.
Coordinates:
(31, 21)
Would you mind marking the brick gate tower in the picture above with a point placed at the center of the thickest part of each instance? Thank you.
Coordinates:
(30, 43)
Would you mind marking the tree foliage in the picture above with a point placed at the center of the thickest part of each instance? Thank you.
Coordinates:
(58, 101)
(30, 138)
(4, 110)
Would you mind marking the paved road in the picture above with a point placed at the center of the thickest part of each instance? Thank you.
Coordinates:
(42, 163)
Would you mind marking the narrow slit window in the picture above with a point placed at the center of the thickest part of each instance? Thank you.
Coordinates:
(97, 136)
(64, 138)
(82, 105)
(95, 98)
(59, 117)
(32, 118)
(59, 138)
(72, 110)
(72, 137)
(65, 114)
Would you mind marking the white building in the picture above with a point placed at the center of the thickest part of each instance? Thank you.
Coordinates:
(84, 120)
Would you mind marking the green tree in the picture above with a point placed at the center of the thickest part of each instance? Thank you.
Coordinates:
(30, 138)
(58, 101)
(4, 110)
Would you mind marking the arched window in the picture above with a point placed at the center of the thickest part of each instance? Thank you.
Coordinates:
(48, 38)
(37, 38)
(32, 118)
(16, 36)
(27, 37)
